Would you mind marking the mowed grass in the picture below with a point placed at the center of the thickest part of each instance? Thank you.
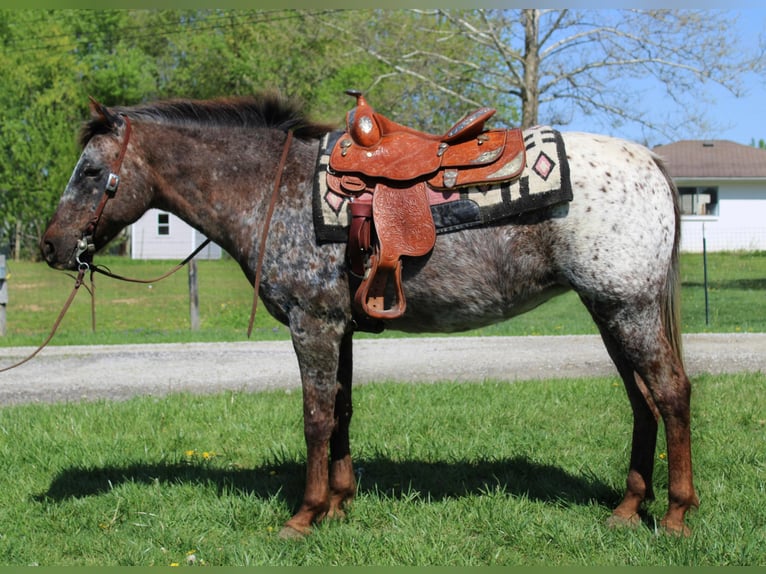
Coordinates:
(449, 474)
(159, 313)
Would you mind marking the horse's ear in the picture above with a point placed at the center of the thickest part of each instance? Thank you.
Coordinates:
(100, 111)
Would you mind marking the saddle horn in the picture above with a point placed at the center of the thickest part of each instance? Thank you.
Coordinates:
(361, 123)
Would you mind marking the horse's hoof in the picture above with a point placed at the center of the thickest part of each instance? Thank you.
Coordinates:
(336, 514)
(617, 521)
(673, 528)
(290, 533)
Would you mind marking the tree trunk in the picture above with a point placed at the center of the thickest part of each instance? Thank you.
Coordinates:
(17, 243)
(529, 92)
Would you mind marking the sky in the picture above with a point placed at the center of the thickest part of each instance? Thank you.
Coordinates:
(744, 119)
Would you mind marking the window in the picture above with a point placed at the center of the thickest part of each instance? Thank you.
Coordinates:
(163, 224)
(699, 200)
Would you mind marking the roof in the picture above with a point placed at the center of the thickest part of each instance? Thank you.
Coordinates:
(713, 158)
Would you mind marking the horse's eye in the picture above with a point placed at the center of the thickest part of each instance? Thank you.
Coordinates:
(91, 172)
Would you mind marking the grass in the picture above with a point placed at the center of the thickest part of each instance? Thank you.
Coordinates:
(159, 313)
(486, 473)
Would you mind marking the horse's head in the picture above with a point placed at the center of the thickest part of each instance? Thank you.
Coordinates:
(104, 194)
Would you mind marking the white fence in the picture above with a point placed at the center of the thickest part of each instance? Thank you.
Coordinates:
(718, 238)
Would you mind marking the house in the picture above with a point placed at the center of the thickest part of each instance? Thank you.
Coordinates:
(162, 235)
(723, 193)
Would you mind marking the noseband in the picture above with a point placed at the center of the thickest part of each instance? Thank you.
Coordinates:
(86, 244)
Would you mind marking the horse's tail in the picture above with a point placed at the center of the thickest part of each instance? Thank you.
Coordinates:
(671, 301)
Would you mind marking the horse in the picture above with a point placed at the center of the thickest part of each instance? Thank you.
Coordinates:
(216, 163)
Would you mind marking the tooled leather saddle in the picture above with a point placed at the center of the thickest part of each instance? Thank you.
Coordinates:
(387, 169)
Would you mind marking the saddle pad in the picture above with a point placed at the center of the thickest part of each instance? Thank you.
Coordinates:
(543, 182)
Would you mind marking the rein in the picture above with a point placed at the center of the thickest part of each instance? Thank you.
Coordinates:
(265, 232)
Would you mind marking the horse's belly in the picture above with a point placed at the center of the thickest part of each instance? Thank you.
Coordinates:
(463, 315)
(477, 278)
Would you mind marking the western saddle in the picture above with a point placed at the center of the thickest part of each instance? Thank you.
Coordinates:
(387, 170)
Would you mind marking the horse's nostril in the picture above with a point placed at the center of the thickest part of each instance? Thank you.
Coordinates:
(48, 251)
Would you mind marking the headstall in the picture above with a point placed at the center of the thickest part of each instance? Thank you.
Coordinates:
(86, 243)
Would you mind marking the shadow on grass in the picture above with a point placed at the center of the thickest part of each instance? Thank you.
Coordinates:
(401, 479)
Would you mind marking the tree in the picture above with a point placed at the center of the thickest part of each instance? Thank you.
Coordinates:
(207, 53)
(423, 67)
(551, 63)
(52, 60)
(35, 105)
(424, 78)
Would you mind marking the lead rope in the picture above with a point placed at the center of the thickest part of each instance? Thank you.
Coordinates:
(77, 284)
(84, 267)
(84, 246)
(265, 233)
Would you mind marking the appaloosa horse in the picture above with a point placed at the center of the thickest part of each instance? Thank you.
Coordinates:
(214, 164)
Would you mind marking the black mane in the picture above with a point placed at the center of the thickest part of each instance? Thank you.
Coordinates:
(266, 110)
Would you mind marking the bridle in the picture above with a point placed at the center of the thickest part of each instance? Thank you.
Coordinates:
(86, 246)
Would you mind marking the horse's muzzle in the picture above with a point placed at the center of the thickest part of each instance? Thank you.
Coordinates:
(56, 256)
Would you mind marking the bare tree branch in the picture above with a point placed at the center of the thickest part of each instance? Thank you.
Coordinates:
(546, 62)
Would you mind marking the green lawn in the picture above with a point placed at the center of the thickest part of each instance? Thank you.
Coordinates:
(450, 474)
(134, 313)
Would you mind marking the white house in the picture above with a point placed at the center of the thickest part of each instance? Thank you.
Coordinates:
(723, 194)
(162, 235)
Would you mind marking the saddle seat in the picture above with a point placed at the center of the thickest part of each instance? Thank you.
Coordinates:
(387, 170)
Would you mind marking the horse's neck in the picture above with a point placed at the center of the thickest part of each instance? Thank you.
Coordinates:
(211, 178)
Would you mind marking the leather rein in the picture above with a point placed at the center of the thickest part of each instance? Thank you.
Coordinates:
(86, 246)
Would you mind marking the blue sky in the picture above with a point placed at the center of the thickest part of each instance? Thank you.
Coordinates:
(743, 119)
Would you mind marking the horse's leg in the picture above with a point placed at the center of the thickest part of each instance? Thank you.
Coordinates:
(342, 481)
(669, 386)
(642, 342)
(644, 442)
(317, 344)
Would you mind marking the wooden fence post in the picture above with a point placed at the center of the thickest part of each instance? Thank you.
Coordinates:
(193, 296)
(3, 295)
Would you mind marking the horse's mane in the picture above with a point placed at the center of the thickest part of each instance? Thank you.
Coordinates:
(265, 110)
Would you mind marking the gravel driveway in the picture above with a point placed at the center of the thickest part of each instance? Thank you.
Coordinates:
(117, 372)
